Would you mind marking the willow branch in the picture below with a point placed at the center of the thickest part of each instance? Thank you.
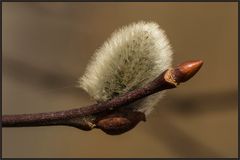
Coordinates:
(109, 115)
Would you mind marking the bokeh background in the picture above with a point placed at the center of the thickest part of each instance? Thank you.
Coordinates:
(46, 47)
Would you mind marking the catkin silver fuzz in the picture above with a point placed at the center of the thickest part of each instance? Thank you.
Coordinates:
(133, 56)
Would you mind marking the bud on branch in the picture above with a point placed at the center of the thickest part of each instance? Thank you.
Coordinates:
(110, 116)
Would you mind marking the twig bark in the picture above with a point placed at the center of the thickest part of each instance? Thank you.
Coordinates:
(110, 116)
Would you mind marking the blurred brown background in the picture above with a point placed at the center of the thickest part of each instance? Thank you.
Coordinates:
(46, 47)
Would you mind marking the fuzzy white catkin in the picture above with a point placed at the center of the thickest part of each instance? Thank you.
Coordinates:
(133, 56)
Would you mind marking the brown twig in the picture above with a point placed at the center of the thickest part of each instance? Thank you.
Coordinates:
(108, 116)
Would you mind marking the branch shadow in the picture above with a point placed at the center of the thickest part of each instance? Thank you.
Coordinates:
(41, 78)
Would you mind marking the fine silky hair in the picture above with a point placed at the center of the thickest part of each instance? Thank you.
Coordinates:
(133, 56)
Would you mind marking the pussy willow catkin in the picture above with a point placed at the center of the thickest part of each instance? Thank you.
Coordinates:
(133, 56)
